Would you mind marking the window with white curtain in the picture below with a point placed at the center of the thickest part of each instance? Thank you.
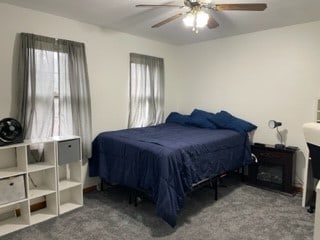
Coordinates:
(146, 90)
(51, 71)
(53, 89)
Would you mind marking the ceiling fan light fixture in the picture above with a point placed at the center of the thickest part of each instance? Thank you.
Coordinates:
(188, 20)
(201, 19)
(197, 19)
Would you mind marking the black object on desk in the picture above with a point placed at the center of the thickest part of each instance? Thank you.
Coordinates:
(274, 169)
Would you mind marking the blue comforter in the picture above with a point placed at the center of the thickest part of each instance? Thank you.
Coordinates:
(165, 160)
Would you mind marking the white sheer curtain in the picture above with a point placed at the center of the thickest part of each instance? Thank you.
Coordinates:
(51, 113)
(40, 112)
(53, 89)
(146, 90)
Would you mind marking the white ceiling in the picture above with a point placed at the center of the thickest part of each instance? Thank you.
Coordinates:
(123, 16)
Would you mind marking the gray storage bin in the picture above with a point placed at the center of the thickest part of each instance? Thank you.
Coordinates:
(68, 151)
(12, 189)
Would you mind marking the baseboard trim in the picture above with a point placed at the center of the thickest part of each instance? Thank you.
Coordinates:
(34, 207)
(298, 189)
(90, 189)
(38, 206)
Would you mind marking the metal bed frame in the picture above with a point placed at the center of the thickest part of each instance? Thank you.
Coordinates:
(134, 194)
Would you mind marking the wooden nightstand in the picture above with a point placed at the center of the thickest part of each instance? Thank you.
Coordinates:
(275, 168)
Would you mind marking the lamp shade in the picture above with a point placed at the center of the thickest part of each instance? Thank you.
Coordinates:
(274, 124)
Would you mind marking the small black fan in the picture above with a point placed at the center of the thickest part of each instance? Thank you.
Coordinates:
(10, 131)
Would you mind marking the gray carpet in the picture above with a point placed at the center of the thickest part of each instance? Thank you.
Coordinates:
(242, 212)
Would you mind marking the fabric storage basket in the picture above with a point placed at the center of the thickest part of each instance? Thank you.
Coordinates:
(68, 151)
(12, 189)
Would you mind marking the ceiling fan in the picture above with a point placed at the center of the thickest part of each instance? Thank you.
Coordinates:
(197, 18)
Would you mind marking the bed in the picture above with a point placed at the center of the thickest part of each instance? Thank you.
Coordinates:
(166, 160)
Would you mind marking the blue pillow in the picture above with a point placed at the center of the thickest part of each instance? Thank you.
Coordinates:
(225, 120)
(202, 119)
(178, 118)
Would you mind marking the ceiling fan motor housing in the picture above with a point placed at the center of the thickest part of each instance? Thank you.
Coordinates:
(191, 3)
(10, 131)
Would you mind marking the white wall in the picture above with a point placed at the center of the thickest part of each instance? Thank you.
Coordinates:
(107, 57)
(260, 76)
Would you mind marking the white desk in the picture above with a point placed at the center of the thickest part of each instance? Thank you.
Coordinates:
(316, 235)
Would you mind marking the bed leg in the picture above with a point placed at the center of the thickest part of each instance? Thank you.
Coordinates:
(133, 197)
(130, 196)
(242, 174)
(135, 200)
(220, 181)
(215, 184)
(101, 185)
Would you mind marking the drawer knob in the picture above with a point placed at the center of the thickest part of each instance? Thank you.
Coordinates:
(11, 184)
(69, 146)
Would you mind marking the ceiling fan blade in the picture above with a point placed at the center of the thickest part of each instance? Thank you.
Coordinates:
(212, 23)
(167, 20)
(158, 5)
(243, 6)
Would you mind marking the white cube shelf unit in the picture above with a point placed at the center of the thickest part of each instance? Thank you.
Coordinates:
(54, 180)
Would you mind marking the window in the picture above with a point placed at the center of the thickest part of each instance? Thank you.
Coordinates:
(51, 73)
(48, 105)
(146, 90)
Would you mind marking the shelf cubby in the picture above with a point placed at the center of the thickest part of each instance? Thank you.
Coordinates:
(49, 211)
(41, 156)
(69, 175)
(70, 199)
(42, 183)
(14, 217)
(15, 161)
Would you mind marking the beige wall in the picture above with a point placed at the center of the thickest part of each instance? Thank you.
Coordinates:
(107, 56)
(260, 76)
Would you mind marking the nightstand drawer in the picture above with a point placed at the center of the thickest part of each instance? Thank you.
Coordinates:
(272, 156)
(68, 151)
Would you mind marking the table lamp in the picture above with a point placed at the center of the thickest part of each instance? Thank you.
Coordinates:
(274, 124)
